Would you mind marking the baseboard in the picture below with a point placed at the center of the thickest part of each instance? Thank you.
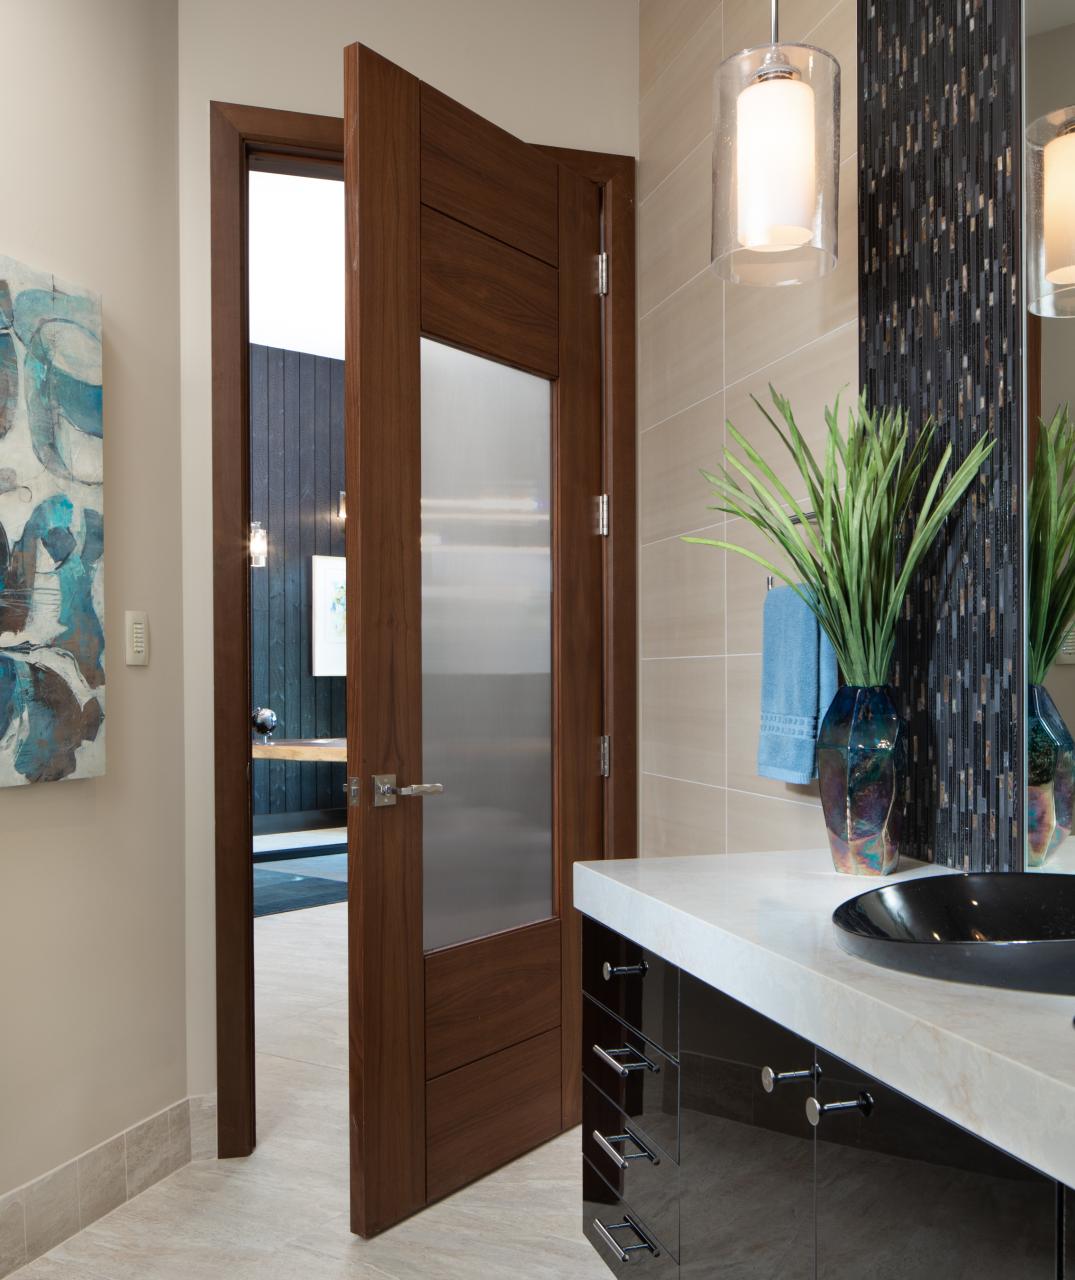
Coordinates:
(38, 1216)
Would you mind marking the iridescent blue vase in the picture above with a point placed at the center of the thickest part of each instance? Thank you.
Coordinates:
(862, 765)
(1050, 777)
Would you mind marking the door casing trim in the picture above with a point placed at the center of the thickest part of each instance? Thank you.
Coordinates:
(236, 134)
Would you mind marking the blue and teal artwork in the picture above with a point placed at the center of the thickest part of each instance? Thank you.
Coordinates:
(52, 647)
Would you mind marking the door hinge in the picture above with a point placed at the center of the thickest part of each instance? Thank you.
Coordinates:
(606, 756)
(602, 274)
(602, 515)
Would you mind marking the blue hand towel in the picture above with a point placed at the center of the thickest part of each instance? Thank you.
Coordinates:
(798, 683)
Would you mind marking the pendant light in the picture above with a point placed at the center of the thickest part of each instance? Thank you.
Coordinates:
(1050, 228)
(776, 163)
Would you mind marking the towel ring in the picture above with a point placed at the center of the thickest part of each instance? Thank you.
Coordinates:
(770, 581)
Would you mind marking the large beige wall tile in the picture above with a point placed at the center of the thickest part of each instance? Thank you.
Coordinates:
(673, 229)
(681, 594)
(811, 379)
(681, 818)
(744, 721)
(837, 32)
(746, 22)
(758, 824)
(680, 350)
(683, 715)
(762, 325)
(675, 498)
(746, 589)
(677, 111)
(665, 28)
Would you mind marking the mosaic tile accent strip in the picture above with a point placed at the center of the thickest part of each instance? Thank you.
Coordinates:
(940, 331)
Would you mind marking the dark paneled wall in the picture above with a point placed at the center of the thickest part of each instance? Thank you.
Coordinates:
(296, 474)
(940, 310)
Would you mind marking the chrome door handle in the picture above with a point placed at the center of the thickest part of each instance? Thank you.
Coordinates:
(623, 1161)
(611, 1058)
(815, 1110)
(770, 1078)
(625, 1253)
(385, 791)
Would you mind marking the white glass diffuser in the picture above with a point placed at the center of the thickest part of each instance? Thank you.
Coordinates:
(1050, 231)
(776, 163)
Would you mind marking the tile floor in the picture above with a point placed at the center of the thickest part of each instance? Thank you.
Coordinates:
(282, 1213)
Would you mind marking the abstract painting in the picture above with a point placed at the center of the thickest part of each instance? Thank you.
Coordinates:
(52, 673)
(329, 615)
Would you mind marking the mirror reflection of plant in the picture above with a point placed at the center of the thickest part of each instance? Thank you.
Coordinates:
(1051, 551)
(864, 497)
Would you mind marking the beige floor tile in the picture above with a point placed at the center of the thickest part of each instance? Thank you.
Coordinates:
(681, 818)
(682, 598)
(673, 228)
(683, 716)
(811, 379)
(744, 720)
(675, 497)
(676, 112)
(679, 350)
(665, 28)
(759, 824)
(764, 325)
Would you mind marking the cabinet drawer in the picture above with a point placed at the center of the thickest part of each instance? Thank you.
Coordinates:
(644, 1177)
(634, 1074)
(645, 991)
(620, 1236)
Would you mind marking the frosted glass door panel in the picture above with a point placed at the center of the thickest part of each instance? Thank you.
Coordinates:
(486, 645)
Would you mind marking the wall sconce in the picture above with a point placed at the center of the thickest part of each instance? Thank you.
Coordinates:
(341, 507)
(776, 163)
(259, 545)
(1050, 231)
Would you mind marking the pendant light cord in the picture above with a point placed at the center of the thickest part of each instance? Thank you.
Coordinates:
(775, 22)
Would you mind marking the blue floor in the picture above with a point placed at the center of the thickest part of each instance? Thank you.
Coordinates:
(293, 884)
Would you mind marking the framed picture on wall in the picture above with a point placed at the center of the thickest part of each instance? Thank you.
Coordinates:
(329, 621)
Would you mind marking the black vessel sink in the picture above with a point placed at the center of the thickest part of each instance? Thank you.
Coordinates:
(997, 929)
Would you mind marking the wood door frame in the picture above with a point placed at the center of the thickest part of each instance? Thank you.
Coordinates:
(236, 134)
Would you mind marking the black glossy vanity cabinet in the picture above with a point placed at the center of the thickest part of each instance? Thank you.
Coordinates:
(718, 1144)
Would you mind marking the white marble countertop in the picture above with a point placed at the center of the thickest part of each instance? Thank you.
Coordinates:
(758, 927)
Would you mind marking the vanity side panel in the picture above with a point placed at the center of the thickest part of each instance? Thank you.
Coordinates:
(918, 1197)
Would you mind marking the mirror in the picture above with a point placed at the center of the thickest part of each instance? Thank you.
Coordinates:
(1049, 350)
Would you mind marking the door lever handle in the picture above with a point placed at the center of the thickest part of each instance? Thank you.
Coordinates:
(385, 791)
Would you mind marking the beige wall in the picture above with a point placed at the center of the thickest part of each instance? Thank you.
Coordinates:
(558, 71)
(91, 873)
(704, 348)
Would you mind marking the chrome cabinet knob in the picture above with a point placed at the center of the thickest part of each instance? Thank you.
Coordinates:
(770, 1078)
(815, 1110)
(610, 971)
(264, 721)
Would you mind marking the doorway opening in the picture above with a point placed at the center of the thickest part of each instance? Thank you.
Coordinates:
(454, 238)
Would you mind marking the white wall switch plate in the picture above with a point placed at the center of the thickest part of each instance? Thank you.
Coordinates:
(137, 635)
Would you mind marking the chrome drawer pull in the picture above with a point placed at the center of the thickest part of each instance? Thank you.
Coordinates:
(623, 1161)
(625, 1253)
(815, 1110)
(624, 1069)
(770, 1078)
(610, 971)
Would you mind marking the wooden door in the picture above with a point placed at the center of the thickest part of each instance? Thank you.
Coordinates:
(472, 302)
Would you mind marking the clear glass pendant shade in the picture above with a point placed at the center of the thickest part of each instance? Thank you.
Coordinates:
(1051, 214)
(776, 165)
